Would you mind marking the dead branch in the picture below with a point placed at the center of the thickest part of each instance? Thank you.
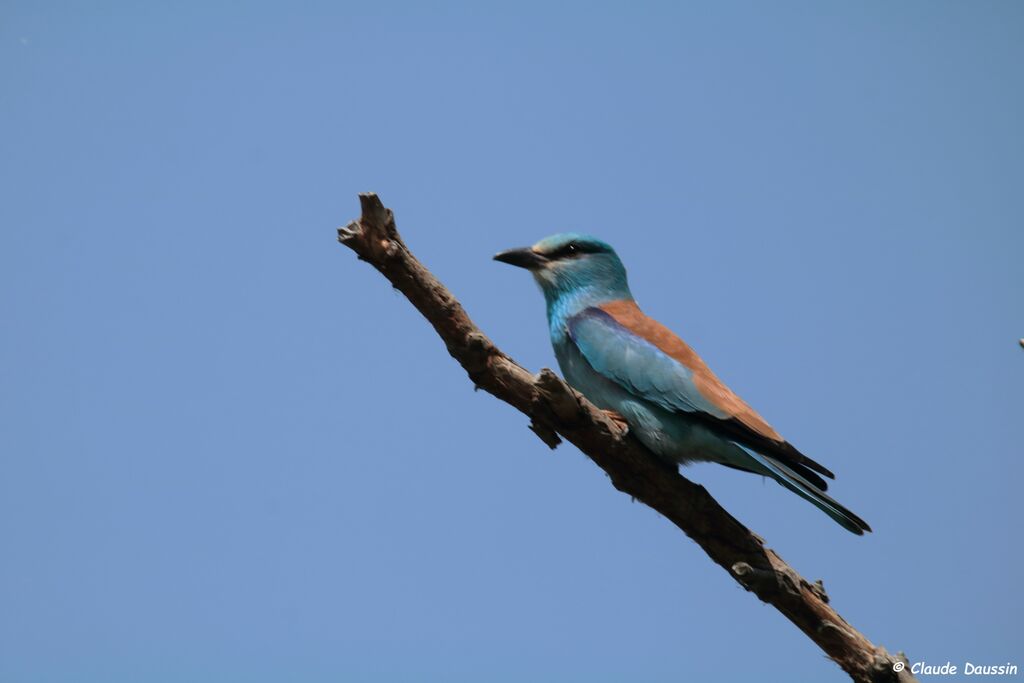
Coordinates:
(556, 410)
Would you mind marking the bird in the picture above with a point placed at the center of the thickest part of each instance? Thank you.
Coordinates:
(639, 371)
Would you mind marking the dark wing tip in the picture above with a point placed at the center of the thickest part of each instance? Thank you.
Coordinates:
(807, 462)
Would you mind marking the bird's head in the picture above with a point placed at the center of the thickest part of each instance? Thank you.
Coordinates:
(572, 264)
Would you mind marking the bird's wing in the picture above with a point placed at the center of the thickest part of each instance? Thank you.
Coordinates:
(643, 356)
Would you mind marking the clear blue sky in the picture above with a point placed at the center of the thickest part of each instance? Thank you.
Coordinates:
(230, 452)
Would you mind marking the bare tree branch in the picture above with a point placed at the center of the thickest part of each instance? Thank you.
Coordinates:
(556, 410)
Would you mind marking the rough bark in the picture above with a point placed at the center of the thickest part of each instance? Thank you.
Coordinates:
(556, 411)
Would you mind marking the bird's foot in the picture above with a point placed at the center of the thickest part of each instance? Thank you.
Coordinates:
(617, 419)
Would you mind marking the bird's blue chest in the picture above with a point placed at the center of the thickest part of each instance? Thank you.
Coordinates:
(577, 371)
(579, 374)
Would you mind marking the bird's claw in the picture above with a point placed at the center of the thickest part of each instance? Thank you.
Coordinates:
(618, 420)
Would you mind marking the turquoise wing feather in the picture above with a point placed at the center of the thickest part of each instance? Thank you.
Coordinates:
(636, 364)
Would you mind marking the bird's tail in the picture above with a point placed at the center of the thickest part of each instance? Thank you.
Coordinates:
(808, 491)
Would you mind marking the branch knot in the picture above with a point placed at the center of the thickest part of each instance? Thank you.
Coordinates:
(557, 397)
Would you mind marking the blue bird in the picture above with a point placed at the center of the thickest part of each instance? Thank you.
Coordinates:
(633, 366)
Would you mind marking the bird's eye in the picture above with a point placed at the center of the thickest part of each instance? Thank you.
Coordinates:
(569, 250)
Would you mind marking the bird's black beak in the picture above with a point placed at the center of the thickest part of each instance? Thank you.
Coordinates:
(524, 258)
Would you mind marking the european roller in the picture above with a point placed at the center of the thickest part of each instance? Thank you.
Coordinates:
(632, 365)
